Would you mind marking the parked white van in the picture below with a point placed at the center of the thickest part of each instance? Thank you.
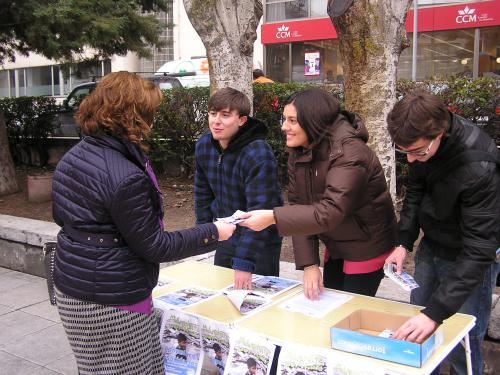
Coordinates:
(190, 72)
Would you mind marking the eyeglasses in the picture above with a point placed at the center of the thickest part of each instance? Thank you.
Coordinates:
(415, 153)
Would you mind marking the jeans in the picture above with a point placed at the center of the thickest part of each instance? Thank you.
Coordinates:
(430, 271)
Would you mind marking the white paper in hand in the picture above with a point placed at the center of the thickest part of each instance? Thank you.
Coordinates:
(404, 280)
(233, 219)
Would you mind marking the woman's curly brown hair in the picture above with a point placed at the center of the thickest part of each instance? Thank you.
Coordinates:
(122, 105)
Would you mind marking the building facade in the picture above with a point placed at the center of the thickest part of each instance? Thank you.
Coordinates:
(454, 37)
(35, 75)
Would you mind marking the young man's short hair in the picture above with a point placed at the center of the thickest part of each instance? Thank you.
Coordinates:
(229, 98)
(417, 115)
(251, 362)
(181, 337)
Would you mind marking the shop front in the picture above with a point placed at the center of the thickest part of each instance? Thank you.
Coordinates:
(454, 38)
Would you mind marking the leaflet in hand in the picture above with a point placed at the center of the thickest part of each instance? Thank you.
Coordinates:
(404, 280)
(233, 219)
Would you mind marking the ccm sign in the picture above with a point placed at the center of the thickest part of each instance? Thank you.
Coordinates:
(466, 15)
(283, 32)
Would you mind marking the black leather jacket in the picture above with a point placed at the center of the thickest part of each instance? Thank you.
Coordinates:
(459, 214)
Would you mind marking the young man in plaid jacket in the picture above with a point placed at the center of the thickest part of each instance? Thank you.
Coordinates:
(237, 170)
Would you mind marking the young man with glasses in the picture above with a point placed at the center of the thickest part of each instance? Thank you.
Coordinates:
(453, 196)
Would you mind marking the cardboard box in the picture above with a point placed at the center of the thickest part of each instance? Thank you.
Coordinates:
(358, 333)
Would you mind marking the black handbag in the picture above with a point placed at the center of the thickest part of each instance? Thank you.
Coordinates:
(49, 251)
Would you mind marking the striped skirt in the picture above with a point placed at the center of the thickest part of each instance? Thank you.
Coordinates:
(106, 340)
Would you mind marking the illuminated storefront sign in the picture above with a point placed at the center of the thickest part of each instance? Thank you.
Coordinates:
(435, 18)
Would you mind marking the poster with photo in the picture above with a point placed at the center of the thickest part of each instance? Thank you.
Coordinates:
(183, 297)
(163, 281)
(268, 286)
(312, 63)
(343, 367)
(250, 355)
(245, 301)
(300, 360)
(216, 344)
(181, 343)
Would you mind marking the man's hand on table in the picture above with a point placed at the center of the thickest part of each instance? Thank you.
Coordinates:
(416, 329)
(242, 280)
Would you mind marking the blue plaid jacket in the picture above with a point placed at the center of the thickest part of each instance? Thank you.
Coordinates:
(242, 177)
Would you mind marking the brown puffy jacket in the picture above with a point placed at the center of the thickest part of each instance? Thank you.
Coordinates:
(338, 194)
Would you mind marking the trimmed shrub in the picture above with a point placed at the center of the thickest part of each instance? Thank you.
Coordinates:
(30, 121)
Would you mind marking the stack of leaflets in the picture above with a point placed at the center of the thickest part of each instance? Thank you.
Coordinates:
(263, 289)
(404, 280)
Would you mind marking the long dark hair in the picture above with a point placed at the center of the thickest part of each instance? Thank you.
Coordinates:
(316, 111)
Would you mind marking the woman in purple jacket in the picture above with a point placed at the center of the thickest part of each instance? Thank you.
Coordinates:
(108, 203)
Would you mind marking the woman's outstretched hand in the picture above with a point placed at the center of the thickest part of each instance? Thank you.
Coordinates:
(257, 220)
(225, 230)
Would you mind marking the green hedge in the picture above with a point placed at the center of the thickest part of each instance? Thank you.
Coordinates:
(475, 99)
(182, 116)
(30, 121)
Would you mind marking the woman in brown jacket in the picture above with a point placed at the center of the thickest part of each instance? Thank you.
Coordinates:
(337, 194)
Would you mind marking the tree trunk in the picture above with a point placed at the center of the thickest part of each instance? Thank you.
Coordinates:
(372, 36)
(228, 31)
(8, 182)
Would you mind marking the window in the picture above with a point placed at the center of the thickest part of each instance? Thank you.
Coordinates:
(278, 62)
(286, 10)
(318, 8)
(330, 62)
(489, 51)
(330, 67)
(39, 81)
(440, 54)
(4, 83)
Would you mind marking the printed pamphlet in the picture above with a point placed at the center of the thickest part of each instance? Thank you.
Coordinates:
(245, 301)
(269, 286)
(298, 359)
(233, 219)
(263, 289)
(216, 345)
(328, 301)
(181, 343)
(250, 354)
(183, 297)
(404, 280)
(163, 281)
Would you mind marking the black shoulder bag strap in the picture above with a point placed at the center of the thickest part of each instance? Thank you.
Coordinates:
(465, 157)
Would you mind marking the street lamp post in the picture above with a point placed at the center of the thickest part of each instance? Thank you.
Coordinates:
(415, 31)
